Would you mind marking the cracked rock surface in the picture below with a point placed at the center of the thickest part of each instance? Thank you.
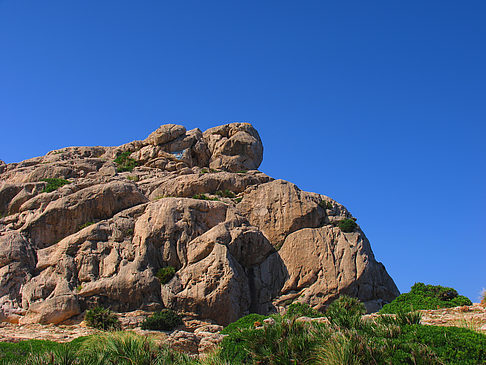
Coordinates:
(86, 226)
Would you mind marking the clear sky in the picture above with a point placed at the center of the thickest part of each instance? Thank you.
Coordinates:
(380, 105)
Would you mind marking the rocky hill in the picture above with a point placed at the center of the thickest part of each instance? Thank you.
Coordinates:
(182, 219)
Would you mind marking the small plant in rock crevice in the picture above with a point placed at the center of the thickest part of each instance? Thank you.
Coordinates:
(347, 225)
(54, 184)
(164, 274)
(124, 162)
(87, 224)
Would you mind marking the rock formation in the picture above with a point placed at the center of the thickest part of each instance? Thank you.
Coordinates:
(85, 226)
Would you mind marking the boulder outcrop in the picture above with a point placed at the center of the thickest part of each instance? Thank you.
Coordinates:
(86, 226)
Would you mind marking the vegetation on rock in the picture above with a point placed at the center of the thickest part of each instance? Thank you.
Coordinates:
(423, 296)
(347, 225)
(124, 162)
(165, 320)
(164, 274)
(54, 184)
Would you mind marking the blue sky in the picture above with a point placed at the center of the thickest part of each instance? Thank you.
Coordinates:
(380, 105)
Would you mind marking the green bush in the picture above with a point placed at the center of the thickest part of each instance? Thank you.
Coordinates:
(298, 309)
(165, 320)
(345, 312)
(164, 274)
(347, 225)
(102, 319)
(232, 349)
(124, 162)
(284, 342)
(54, 184)
(423, 296)
(453, 345)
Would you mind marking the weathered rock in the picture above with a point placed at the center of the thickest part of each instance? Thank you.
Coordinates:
(234, 147)
(280, 208)
(102, 238)
(331, 263)
(207, 182)
(17, 264)
(65, 216)
(165, 133)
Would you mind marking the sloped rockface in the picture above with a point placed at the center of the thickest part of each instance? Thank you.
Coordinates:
(238, 240)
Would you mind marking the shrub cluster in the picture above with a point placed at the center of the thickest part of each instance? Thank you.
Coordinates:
(298, 309)
(54, 184)
(164, 274)
(423, 296)
(165, 320)
(347, 225)
(102, 319)
(124, 162)
(350, 339)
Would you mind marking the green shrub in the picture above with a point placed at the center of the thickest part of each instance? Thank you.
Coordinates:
(225, 193)
(298, 309)
(347, 225)
(453, 345)
(423, 296)
(102, 319)
(346, 312)
(54, 184)
(124, 162)
(239, 199)
(232, 349)
(164, 274)
(284, 342)
(165, 320)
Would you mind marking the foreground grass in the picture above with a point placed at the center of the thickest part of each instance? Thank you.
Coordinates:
(20, 351)
(346, 339)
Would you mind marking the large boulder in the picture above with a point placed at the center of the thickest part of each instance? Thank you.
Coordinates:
(234, 147)
(330, 263)
(280, 208)
(248, 244)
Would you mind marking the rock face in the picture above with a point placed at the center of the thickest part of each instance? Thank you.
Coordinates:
(238, 241)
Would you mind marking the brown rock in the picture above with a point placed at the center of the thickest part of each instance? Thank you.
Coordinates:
(64, 216)
(234, 147)
(279, 208)
(331, 263)
(99, 240)
(165, 133)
